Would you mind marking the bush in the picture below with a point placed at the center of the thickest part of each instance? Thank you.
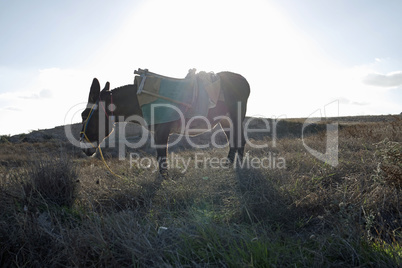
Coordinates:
(389, 169)
(4, 139)
(53, 180)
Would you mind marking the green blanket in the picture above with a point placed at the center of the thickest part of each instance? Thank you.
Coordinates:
(155, 99)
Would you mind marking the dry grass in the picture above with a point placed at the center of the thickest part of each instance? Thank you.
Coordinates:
(308, 214)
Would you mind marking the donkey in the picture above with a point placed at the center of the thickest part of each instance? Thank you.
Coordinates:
(122, 103)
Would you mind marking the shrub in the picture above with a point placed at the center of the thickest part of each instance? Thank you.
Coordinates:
(4, 139)
(53, 180)
(389, 169)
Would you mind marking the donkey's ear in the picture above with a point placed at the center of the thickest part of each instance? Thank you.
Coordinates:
(107, 87)
(94, 92)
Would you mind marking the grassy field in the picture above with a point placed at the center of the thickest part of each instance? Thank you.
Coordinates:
(61, 209)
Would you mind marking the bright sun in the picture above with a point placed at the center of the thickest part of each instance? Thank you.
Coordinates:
(172, 36)
(252, 38)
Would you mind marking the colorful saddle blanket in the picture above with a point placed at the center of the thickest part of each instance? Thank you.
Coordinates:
(165, 99)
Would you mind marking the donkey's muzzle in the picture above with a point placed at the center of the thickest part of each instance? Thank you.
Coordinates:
(87, 148)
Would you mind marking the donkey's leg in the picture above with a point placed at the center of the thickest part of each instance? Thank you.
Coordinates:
(240, 143)
(236, 91)
(235, 136)
(162, 161)
(227, 126)
(161, 137)
(240, 149)
(237, 113)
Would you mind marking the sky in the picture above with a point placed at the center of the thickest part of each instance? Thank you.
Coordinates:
(301, 58)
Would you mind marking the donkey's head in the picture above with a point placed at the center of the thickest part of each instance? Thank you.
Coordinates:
(95, 118)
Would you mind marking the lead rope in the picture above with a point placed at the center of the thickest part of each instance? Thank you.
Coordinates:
(99, 145)
(104, 161)
(107, 166)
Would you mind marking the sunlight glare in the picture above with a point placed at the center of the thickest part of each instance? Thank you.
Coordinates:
(252, 38)
(207, 35)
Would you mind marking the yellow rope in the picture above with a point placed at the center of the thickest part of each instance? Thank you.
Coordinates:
(103, 159)
(111, 171)
(99, 145)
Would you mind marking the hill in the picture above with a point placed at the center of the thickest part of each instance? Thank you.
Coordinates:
(287, 126)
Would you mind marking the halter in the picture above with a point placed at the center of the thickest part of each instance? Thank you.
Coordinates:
(84, 136)
(91, 112)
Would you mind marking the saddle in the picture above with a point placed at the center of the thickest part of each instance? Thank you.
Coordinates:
(165, 99)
